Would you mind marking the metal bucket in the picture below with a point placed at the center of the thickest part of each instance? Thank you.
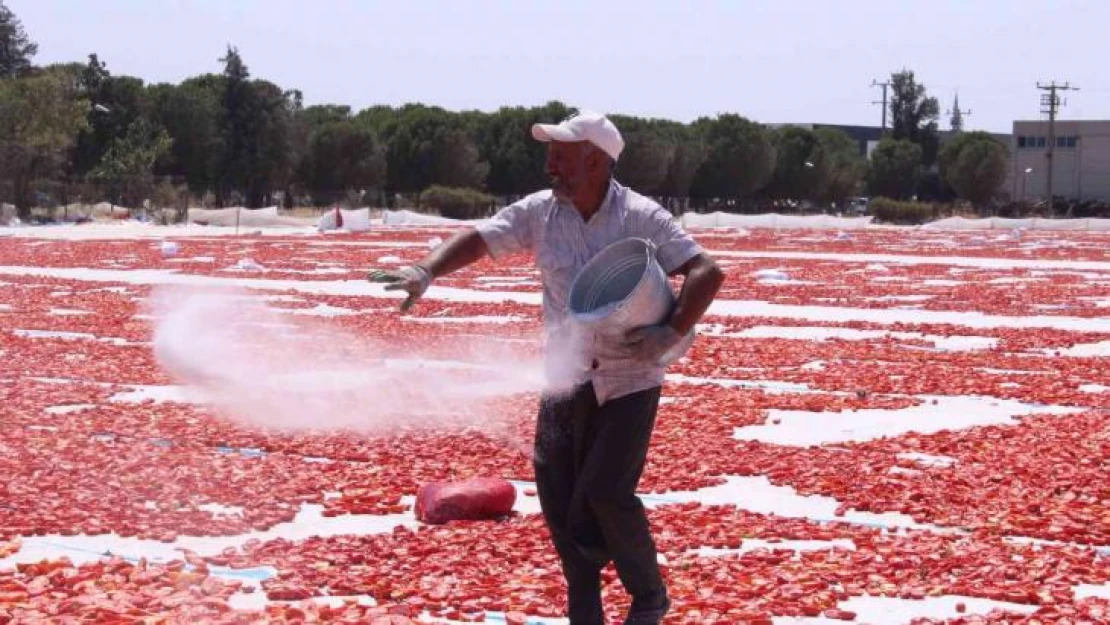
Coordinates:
(621, 288)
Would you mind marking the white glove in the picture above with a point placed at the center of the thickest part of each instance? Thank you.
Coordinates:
(413, 280)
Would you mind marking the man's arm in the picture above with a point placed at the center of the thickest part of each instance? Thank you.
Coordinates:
(703, 279)
(459, 251)
(462, 249)
(509, 231)
(506, 232)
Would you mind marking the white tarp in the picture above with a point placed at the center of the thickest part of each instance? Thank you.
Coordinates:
(410, 218)
(243, 217)
(1033, 223)
(776, 221)
(773, 221)
(357, 220)
(69, 212)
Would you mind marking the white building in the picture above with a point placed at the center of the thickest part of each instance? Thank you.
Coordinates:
(1081, 160)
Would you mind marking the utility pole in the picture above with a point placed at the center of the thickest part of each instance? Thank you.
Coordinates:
(884, 85)
(1050, 102)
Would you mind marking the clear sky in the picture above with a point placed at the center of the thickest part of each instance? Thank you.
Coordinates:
(771, 60)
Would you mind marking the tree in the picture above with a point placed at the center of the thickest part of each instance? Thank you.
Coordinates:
(190, 114)
(504, 140)
(40, 116)
(739, 157)
(932, 188)
(274, 152)
(895, 169)
(455, 161)
(801, 167)
(648, 152)
(256, 130)
(93, 74)
(342, 156)
(914, 114)
(689, 155)
(322, 114)
(845, 166)
(128, 163)
(115, 103)
(425, 146)
(974, 165)
(237, 126)
(16, 48)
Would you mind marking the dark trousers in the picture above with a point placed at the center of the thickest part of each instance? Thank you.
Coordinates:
(588, 462)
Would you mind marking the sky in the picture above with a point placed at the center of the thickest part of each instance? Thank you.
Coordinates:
(784, 61)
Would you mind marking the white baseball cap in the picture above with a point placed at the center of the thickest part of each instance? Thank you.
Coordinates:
(584, 126)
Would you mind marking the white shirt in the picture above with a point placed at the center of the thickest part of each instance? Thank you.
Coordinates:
(563, 243)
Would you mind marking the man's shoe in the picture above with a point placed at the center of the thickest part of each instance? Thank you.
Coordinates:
(649, 612)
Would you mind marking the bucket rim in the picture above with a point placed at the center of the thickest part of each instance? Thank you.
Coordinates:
(649, 253)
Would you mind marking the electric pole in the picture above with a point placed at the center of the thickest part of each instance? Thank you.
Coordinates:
(884, 85)
(1050, 102)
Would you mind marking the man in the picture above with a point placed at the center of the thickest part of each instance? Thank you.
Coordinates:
(591, 443)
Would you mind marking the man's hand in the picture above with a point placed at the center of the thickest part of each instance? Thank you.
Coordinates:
(413, 280)
(649, 343)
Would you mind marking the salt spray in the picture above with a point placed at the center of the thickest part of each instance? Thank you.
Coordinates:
(258, 366)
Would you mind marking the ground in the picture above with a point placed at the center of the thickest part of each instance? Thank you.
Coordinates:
(890, 426)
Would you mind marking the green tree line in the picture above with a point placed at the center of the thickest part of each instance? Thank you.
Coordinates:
(78, 131)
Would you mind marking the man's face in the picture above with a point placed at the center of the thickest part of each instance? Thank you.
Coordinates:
(572, 167)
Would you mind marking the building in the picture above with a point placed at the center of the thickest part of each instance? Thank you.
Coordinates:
(1081, 160)
(1081, 157)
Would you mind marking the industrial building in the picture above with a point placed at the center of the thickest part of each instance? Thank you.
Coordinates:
(1081, 160)
(1081, 157)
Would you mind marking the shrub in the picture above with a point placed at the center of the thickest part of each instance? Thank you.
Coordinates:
(906, 213)
(457, 202)
(167, 195)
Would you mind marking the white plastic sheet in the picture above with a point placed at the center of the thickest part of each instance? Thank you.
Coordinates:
(243, 217)
(356, 220)
(773, 221)
(1033, 223)
(7, 214)
(411, 218)
(776, 221)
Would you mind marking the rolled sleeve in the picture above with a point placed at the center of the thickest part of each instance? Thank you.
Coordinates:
(509, 231)
(674, 246)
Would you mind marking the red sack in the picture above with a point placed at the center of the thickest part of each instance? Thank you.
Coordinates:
(469, 500)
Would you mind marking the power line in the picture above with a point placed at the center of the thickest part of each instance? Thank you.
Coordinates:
(1050, 103)
(885, 86)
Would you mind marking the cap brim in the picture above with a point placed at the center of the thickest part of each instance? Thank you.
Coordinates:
(553, 132)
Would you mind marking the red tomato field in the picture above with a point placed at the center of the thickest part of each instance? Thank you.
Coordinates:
(894, 426)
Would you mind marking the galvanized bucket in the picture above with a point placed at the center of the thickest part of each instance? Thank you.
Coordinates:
(621, 288)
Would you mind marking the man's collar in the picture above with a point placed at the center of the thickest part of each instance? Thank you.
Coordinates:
(606, 204)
